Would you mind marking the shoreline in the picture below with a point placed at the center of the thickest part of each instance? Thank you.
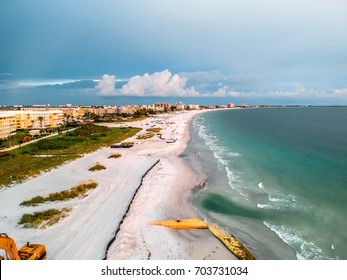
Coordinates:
(165, 193)
(139, 240)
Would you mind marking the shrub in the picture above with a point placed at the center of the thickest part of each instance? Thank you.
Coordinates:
(127, 144)
(3, 154)
(145, 136)
(97, 167)
(154, 129)
(115, 156)
(44, 218)
(77, 191)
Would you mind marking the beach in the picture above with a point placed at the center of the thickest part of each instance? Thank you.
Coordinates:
(148, 182)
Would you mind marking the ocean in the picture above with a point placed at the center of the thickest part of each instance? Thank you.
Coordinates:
(276, 178)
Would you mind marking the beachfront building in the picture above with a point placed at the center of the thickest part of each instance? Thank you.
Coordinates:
(69, 111)
(39, 119)
(75, 112)
(162, 107)
(128, 109)
(100, 110)
(7, 124)
(179, 106)
(193, 107)
(11, 121)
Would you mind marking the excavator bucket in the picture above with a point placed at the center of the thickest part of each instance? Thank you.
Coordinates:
(181, 224)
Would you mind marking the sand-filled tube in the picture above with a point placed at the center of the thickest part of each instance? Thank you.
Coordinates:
(181, 224)
(232, 243)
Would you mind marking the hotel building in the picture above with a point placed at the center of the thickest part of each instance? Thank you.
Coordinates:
(10, 121)
(7, 124)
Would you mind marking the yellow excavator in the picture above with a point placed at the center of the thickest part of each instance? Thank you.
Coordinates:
(27, 252)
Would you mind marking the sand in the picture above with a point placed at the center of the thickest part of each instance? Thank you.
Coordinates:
(148, 182)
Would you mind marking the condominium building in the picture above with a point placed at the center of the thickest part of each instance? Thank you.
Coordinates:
(11, 121)
(39, 119)
(69, 111)
(193, 107)
(179, 106)
(7, 124)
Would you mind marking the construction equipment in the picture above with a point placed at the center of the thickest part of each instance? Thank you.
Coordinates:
(27, 252)
(229, 241)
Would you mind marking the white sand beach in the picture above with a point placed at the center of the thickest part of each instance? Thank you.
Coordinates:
(86, 232)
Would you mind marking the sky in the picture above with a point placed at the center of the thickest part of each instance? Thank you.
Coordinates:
(199, 51)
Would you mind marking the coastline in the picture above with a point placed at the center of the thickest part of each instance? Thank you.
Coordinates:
(139, 240)
(165, 193)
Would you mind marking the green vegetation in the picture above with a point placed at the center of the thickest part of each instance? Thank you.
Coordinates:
(150, 133)
(115, 156)
(77, 191)
(44, 218)
(132, 119)
(21, 136)
(144, 112)
(31, 160)
(97, 167)
(145, 136)
(154, 129)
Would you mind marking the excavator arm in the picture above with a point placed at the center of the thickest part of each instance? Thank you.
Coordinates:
(27, 252)
(9, 246)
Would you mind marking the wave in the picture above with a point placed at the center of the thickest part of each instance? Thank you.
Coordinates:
(304, 249)
(261, 186)
(279, 200)
(284, 201)
(224, 157)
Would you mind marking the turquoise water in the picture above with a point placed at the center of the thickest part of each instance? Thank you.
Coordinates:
(276, 178)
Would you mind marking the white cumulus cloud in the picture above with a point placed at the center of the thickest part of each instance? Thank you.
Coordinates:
(158, 84)
(107, 85)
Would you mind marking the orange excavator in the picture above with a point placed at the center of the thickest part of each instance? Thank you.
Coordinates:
(27, 252)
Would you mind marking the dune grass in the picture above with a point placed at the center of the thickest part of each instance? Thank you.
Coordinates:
(25, 162)
(154, 129)
(43, 219)
(145, 136)
(77, 191)
(125, 145)
(115, 156)
(97, 167)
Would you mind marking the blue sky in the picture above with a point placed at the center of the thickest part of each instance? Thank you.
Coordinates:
(214, 51)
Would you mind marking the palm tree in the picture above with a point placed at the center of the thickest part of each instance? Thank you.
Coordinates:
(40, 119)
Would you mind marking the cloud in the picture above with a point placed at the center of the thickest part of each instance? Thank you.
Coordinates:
(341, 91)
(42, 83)
(207, 84)
(158, 84)
(224, 92)
(107, 85)
(298, 91)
